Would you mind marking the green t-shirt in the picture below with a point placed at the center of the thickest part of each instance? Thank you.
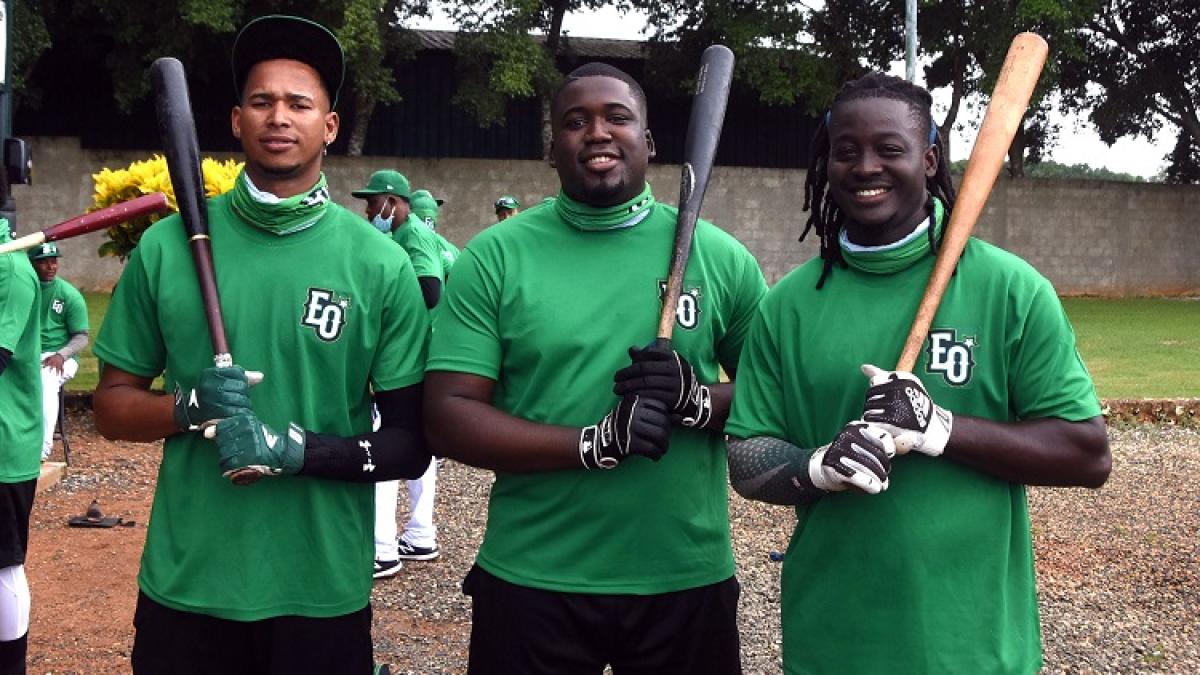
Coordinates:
(422, 247)
(935, 575)
(549, 311)
(448, 251)
(64, 313)
(21, 381)
(326, 314)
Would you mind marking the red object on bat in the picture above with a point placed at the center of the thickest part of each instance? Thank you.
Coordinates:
(155, 202)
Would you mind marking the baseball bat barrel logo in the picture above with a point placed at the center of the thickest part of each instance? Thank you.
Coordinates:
(953, 359)
(325, 312)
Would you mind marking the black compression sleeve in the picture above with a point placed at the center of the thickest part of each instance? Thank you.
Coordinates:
(431, 290)
(396, 451)
(5, 357)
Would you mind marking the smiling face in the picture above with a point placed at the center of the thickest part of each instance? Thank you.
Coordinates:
(601, 145)
(284, 124)
(879, 160)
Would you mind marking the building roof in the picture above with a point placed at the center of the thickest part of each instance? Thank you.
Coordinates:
(439, 40)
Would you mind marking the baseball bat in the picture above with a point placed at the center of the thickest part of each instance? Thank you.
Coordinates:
(1010, 97)
(173, 108)
(699, 149)
(155, 202)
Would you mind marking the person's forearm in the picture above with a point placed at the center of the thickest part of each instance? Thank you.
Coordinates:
(764, 469)
(387, 454)
(124, 412)
(480, 435)
(722, 400)
(1048, 451)
(75, 345)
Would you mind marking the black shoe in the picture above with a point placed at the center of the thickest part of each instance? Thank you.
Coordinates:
(386, 568)
(410, 552)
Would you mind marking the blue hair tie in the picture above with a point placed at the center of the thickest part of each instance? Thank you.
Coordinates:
(933, 130)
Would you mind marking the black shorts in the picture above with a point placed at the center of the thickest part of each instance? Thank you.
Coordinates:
(516, 630)
(170, 642)
(16, 503)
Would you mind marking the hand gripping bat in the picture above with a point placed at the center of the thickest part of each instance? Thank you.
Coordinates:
(1010, 97)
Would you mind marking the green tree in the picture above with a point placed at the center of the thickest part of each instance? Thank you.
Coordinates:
(1052, 169)
(1140, 68)
(129, 36)
(965, 43)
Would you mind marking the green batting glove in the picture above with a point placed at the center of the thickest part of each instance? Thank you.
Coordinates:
(218, 393)
(251, 450)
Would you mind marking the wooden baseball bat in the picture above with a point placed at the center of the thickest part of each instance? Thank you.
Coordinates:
(1010, 97)
(699, 149)
(155, 202)
(178, 131)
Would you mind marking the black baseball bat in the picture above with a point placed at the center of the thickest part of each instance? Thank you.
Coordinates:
(699, 149)
(178, 133)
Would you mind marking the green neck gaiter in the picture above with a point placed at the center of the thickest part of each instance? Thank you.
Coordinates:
(897, 256)
(275, 215)
(591, 218)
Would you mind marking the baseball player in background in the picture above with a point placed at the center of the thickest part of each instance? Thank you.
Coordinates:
(267, 577)
(64, 334)
(20, 443)
(912, 549)
(607, 538)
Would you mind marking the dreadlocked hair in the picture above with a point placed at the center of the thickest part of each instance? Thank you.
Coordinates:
(824, 214)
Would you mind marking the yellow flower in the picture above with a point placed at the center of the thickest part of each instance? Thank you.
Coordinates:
(113, 186)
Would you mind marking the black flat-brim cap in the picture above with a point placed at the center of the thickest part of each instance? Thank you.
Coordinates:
(289, 37)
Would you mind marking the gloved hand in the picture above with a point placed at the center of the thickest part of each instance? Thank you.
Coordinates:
(218, 393)
(251, 450)
(637, 426)
(899, 403)
(860, 456)
(662, 373)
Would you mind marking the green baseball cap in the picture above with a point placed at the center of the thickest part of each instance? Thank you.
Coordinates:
(386, 182)
(46, 250)
(278, 36)
(425, 205)
(507, 202)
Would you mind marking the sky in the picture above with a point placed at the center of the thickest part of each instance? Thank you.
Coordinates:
(1077, 144)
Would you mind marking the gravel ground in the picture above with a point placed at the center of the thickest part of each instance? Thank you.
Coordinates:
(1117, 567)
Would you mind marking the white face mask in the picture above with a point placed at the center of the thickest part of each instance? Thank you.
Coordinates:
(384, 225)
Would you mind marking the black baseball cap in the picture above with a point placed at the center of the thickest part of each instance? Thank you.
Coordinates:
(278, 36)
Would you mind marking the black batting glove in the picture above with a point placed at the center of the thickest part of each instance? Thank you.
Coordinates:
(637, 426)
(859, 457)
(662, 373)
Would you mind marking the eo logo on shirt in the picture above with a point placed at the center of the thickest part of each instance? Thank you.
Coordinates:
(687, 309)
(57, 306)
(950, 357)
(325, 312)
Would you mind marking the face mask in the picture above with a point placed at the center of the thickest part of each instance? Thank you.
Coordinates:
(384, 225)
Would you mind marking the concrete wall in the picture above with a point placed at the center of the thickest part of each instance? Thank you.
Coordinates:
(1088, 237)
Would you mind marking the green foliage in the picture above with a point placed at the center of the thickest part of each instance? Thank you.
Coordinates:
(1051, 169)
(1139, 68)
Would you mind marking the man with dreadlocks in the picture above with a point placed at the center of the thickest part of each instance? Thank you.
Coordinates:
(912, 550)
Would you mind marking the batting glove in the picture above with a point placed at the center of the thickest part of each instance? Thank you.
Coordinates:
(637, 426)
(661, 373)
(899, 403)
(251, 450)
(860, 457)
(217, 394)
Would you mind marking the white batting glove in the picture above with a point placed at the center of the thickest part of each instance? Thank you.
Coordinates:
(859, 457)
(899, 403)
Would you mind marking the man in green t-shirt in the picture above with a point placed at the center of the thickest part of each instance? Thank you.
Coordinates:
(20, 440)
(912, 549)
(64, 334)
(258, 541)
(607, 538)
(426, 207)
(388, 192)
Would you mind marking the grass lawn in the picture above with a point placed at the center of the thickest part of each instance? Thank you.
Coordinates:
(1134, 347)
(1139, 347)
